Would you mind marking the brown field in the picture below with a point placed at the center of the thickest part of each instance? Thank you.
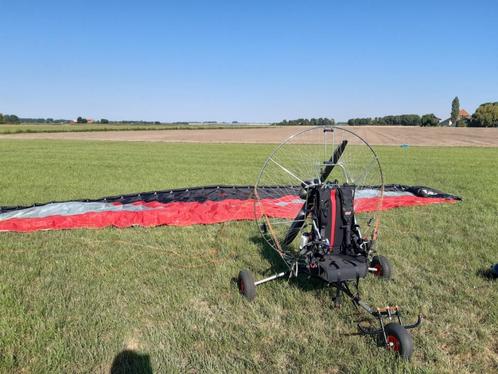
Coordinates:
(393, 135)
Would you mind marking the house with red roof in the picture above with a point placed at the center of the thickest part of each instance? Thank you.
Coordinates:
(461, 114)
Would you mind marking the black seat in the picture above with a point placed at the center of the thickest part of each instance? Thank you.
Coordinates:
(346, 260)
(341, 268)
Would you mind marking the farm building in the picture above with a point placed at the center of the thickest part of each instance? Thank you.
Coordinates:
(461, 114)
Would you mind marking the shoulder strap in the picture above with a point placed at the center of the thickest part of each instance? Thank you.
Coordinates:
(346, 196)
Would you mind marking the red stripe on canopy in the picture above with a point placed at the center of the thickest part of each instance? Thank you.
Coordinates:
(391, 202)
(193, 213)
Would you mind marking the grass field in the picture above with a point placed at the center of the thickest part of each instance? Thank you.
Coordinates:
(71, 301)
(50, 128)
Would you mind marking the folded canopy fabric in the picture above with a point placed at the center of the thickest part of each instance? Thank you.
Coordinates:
(199, 205)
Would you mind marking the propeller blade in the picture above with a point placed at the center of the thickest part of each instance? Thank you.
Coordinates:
(333, 161)
(296, 226)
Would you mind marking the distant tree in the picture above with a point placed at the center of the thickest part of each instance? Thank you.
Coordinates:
(360, 121)
(429, 120)
(10, 118)
(1, 118)
(81, 120)
(485, 116)
(330, 121)
(103, 120)
(398, 120)
(462, 122)
(455, 109)
(306, 122)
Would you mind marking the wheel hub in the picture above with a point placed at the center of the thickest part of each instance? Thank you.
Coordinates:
(378, 272)
(392, 343)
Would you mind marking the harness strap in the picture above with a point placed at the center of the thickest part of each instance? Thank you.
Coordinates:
(346, 196)
(333, 210)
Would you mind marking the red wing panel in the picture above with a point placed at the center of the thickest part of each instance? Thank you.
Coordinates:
(200, 206)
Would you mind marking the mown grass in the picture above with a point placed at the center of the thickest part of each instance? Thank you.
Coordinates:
(70, 301)
(48, 128)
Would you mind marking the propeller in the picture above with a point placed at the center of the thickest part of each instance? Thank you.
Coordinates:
(330, 164)
(298, 222)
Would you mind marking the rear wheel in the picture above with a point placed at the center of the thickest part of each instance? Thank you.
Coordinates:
(246, 284)
(399, 340)
(383, 267)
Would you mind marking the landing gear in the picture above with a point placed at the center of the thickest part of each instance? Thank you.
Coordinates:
(392, 333)
(381, 267)
(394, 336)
(398, 340)
(247, 286)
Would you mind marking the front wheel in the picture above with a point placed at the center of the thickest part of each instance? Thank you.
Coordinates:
(399, 340)
(247, 286)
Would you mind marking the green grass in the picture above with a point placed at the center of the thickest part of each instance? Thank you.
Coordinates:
(47, 128)
(70, 301)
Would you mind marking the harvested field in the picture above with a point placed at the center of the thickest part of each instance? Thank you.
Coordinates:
(393, 135)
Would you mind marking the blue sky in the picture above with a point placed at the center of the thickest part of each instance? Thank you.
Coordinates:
(245, 60)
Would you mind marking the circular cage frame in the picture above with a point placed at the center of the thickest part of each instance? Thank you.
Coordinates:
(265, 227)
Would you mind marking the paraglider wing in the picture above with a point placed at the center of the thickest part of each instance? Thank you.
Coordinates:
(192, 206)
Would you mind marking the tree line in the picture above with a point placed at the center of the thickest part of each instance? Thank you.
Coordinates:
(9, 118)
(486, 115)
(306, 122)
(397, 120)
(13, 119)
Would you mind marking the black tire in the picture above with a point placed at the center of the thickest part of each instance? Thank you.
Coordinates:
(399, 340)
(383, 266)
(246, 284)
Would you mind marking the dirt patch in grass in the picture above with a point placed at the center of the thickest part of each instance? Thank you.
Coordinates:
(393, 135)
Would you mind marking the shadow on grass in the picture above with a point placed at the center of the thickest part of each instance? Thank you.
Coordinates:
(277, 265)
(128, 361)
